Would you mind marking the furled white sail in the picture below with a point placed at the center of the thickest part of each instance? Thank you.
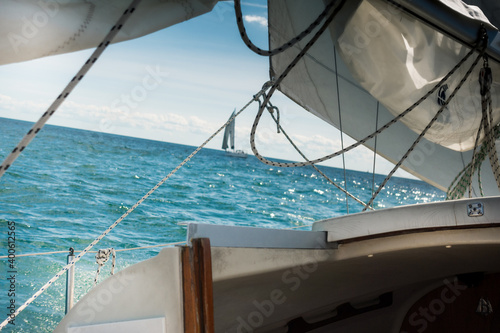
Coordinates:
(397, 60)
(375, 61)
(34, 29)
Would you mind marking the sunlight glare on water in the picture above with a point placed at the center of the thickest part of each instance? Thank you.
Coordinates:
(70, 185)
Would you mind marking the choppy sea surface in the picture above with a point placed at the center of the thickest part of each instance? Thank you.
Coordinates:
(70, 185)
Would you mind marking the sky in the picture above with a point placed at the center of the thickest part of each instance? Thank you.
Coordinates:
(177, 85)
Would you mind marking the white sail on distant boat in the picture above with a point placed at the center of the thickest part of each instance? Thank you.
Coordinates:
(396, 76)
(228, 140)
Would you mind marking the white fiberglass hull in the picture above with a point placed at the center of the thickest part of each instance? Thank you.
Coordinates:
(237, 153)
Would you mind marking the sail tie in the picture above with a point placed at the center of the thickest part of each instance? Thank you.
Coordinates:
(271, 109)
(101, 258)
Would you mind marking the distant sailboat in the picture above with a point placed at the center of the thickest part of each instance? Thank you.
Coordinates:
(229, 136)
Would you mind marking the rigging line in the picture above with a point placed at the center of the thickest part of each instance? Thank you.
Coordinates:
(453, 191)
(25, 141)
(486, 78)
(285, 46)
(480, 185)
(473, 161)
(488, 147)
(280, 79)
(130, 210)
(365, 139)
(458, 185)
(340, 125)
(347, 193)
(375, 150)
(118, 250)
(438, 113)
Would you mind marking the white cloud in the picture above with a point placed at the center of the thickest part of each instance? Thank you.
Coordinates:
(249, 4)
(256, 19)
(106, 119)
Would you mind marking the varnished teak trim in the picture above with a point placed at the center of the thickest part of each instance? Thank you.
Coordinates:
(197, 287)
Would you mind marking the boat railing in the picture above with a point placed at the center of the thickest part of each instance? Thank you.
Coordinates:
(70, 273)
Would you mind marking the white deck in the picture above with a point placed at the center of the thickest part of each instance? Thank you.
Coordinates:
(432, 216)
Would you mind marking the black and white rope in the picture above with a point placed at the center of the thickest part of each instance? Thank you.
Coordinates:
(480, 44)
(292, 42)
(365, 139)
(487, 119)
(429, 125)
(45, 117)
(101, 258)
(347, 193)
(14, 154)
(473, 161)
(275, 86)
(463, 180)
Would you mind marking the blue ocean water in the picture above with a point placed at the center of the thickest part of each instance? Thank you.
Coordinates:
(70, 185)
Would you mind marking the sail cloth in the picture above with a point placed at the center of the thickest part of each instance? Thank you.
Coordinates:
(405, 60)
(375, 61)
(37, 28)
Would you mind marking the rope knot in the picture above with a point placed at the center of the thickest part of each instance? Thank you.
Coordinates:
(101, 257)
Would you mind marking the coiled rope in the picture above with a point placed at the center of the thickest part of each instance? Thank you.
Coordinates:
(463, 180)
(101, 258)
(130, 210)
(14, 154)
